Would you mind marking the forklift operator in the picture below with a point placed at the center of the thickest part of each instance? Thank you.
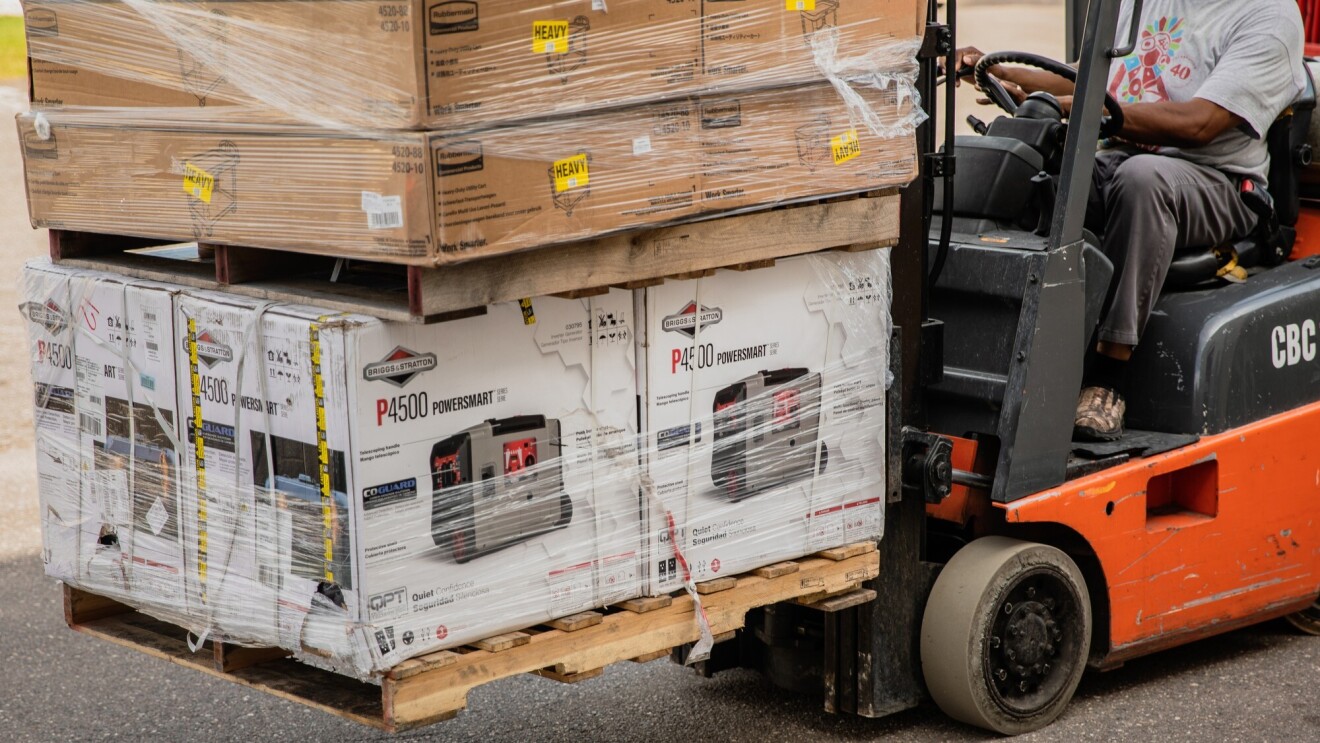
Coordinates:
(1206, 80)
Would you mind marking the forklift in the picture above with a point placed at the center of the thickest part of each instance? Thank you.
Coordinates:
(1014, 558)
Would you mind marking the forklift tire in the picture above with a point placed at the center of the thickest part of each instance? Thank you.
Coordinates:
(1307, 620)
(1005, 635)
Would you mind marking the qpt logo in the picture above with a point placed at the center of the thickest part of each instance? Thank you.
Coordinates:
(210, 349)
(48, 315)
(689, 319)
(388, 603)
(399, 366)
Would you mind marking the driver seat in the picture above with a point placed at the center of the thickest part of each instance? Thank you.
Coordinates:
(1276, 209)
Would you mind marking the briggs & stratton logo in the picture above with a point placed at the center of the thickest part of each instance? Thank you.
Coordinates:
(686, 320)
(210, 351)
(49, 315)
(399, 366)
(389, 601)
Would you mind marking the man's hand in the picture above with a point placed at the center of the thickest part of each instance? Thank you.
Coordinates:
(1018, 81)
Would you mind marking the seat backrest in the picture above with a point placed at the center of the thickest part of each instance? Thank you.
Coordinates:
(1285, 137)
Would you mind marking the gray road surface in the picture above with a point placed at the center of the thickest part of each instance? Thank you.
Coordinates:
(1257, 684)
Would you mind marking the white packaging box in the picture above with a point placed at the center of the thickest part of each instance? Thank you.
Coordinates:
(496, 470)
(414, 567)
(46, 310)
(213, 335)
(763, 403)
(130, 541)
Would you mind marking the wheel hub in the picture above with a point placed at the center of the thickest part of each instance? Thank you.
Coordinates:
(1031, 628)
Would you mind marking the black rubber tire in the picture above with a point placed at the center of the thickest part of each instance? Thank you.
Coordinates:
(1307, 620)
(971, 605)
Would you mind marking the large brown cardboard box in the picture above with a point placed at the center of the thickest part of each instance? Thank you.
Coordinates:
(320, 193)
(452, 65)
(325, 62)
(514, 188)
(749, 44)
(776, 146)
(439, 64)
(427, 198)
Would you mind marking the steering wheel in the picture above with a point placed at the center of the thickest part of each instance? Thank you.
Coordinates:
(1109, 125)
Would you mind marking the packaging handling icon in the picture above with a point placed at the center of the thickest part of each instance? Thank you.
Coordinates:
(766, 430)
(497, 483)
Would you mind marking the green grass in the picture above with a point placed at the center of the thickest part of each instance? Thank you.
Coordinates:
(13, 48)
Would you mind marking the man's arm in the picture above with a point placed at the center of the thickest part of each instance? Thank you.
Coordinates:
(1188, 125)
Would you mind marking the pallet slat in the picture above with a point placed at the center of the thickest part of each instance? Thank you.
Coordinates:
(433, 294)
(434, 687)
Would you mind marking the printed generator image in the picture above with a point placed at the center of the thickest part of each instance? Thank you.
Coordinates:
(496, 484)
(766, 429)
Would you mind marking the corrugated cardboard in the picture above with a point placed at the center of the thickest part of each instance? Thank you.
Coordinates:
(758, 43)
(429, 199)
(452, 65)
(320, 193)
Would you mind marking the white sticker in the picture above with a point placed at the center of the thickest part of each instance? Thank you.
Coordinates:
(598, 5)
(157, 516)
(641, 145)
(383, 212)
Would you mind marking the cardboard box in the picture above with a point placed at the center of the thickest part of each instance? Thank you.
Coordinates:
(310, 191)
(47, 311)
(450, 65)
(479, 476)
(345, 61)
(434, 199)
(130, 542)
(764, 407)
(784, 145)
(108, 464)
(748, 44)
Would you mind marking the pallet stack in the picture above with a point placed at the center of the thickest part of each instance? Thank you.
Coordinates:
(281, 446)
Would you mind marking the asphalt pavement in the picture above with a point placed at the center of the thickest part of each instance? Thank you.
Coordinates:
(1257, 684)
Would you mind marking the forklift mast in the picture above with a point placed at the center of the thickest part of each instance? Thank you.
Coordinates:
(872, 665)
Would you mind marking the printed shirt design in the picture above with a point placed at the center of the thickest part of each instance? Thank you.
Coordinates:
(1140, 75)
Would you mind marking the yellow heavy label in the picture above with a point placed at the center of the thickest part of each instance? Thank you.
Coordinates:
(570, 173)
(529, 314)
(845, 147)
(799, 4)
(551, 37)
(198, 183)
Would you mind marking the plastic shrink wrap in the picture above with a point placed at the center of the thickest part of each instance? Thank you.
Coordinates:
(450, 65)
(360, 492)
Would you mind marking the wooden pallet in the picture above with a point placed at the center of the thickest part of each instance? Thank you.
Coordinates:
(426, 294)
(434, 687)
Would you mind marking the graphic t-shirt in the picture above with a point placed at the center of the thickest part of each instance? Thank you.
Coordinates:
(1244, 55)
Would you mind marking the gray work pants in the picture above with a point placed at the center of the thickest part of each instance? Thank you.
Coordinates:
(1146, 207)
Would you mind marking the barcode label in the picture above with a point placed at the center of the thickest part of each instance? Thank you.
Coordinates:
(89, 424)
(383, 212)
(385, 220)
(151, 346)
(270, 577)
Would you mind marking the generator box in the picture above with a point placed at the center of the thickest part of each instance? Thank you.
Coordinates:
(47, 314)
(763, 399)
(399, 488)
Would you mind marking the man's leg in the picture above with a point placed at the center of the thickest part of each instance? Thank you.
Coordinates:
(1154, 206)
